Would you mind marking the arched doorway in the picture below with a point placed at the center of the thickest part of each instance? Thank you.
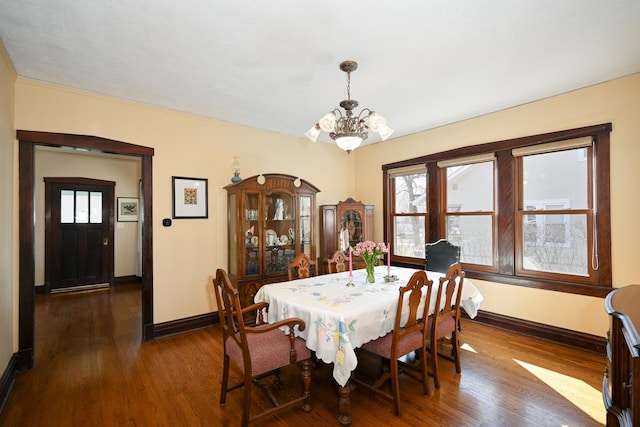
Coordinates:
(28, 140)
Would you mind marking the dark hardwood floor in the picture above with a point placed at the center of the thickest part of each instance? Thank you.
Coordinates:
(91, 369)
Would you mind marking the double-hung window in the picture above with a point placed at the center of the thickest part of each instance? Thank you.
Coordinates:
(468, 214)
(408, 213)
(556, 207)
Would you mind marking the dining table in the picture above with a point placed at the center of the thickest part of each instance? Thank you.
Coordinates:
(342, 311)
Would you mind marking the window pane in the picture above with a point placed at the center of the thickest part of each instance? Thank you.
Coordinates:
(411, 196)
(82, 207)
(409, 236)
(474, 235)
(96, 207)
(556, 243)
(470, 187)
(543, 172)
(66, 206)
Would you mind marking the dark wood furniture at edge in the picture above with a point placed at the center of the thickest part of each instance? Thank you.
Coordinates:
(355, 217)
(621, 384)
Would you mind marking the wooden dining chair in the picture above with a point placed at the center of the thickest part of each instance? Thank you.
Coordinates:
(405, 338)
(258, 350)
(440, 255)
(337, 263)
(444, 322)
(301, 267)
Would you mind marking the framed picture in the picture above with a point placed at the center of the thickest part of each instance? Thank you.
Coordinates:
(190, 197)
(128, 209)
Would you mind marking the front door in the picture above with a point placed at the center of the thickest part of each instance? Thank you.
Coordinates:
(78, 233)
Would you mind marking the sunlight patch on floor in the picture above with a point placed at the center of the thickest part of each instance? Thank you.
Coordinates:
(581, 394)
(467, 347)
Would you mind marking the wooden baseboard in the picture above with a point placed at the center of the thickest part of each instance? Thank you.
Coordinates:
(126, 279)
(184, 325)
(7, 380)
(562, 336)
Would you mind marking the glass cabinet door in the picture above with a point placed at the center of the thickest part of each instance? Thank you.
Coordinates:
(252, 233)
(279, 231)
(305, 225)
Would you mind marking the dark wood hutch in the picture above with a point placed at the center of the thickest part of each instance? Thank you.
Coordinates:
(270, 220)
(621, 385)
(343, 225)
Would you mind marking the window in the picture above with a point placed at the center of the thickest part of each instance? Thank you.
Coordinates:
(408, 211)
(80, 207)
(554, 181)
(469, 217)
(531, 211)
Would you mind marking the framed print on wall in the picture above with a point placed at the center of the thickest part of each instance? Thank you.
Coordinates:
(128, 209)
(190, 197)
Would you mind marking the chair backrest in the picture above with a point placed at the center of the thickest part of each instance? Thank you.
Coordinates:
(303, 266)
(446, 315)
(229, 308)
(440, 255)
(337, 263)
(411, 295)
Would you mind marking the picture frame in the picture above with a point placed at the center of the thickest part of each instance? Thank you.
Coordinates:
(128, 209)
(190, 197)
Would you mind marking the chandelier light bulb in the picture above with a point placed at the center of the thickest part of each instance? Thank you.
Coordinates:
(313, 133)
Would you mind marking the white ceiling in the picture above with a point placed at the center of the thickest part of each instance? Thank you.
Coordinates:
(274, 64)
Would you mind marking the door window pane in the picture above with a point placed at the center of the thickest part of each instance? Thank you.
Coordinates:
(82, 207)
(96, 207)
(67, 206)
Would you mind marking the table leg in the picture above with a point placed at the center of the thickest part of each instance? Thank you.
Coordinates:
(345, 404)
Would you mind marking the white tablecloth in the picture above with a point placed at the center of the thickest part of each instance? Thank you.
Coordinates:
(340, 318)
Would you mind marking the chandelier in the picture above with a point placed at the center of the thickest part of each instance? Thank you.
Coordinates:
(347, 130)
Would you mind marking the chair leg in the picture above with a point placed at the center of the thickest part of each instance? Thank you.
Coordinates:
(455, 350)
(246, 405)
(434, 363)
(425, 374)
(306, 380)
(225, 380)
(395, 388)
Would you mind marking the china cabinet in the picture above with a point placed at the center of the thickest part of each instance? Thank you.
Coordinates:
(343, 225)
(621, 386)
(270, 220)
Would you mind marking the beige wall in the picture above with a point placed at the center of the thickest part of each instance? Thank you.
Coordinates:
(124, 171)
(615, 102)
(8, 216)
(186, 254)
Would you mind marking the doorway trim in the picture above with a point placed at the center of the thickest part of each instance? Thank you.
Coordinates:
(27, 142)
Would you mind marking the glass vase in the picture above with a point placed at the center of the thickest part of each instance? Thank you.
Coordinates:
(371, 278)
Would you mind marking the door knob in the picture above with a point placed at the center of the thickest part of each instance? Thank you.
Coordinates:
(105, 242)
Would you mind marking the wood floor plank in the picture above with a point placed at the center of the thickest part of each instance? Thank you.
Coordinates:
(91, 369)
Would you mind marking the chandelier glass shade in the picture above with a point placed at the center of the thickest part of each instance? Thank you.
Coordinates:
(345, 128)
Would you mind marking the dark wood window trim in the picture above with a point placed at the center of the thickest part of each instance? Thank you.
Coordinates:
(506, 205)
